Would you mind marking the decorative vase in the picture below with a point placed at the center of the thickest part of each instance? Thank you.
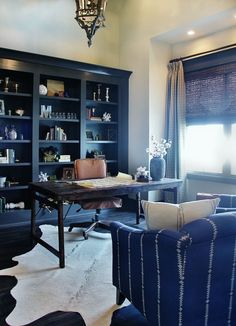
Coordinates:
(157, 168)
(12, 134)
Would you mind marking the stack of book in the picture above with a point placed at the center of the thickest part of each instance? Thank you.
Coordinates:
(7, 156)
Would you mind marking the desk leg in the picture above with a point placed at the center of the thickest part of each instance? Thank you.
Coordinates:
(176, 197)
(61, 235)
(33, 214)
(138, 207)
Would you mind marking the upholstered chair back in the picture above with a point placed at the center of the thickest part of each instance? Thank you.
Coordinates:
(90, 168)
(185, 278)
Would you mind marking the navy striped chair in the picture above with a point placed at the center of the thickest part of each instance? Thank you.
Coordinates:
(227, 201)
(185, 278)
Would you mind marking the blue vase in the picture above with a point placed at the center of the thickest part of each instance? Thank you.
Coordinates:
(157, 168)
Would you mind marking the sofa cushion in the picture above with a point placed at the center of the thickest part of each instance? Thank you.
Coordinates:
(128, 316)
(160, 215)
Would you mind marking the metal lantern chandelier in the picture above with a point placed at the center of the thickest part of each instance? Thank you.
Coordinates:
(90, 16)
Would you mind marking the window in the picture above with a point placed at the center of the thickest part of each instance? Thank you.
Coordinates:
(211, 113)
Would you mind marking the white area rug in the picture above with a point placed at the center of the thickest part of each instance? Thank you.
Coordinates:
(84, 285)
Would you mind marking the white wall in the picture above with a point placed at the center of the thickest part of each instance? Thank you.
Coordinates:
(143, 24)
(48, 27)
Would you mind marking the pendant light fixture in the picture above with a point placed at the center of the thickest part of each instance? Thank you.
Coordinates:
(90, 16)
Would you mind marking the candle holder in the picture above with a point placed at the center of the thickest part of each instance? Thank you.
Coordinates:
(107, 94)
(99, 92)
(6, 88)
(16, 87)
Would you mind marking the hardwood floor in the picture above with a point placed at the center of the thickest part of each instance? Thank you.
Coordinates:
(14, 241)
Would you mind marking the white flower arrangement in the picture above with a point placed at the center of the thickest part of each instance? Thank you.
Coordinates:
(158, 148)
(142, 175)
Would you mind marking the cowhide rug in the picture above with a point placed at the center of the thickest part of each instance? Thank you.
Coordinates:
(84, 285)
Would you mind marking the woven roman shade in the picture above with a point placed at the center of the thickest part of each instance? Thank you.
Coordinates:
(211, 88)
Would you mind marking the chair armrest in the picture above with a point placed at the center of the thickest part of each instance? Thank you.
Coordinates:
(136, 258)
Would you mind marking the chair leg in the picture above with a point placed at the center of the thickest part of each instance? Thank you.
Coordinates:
(90, 228)
(88, 225)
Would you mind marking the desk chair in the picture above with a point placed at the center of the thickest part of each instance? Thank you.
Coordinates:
(93, 169)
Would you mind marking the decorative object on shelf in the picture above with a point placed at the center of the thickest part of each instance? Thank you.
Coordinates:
(94, 96)
(43, 89)
(89, 135)
(10, 155)
(56, 133)
(99, 92)
(43, 110)
(12, 133)
(68, 174)
(20, 112)
(64, 158)
(100, 156)
(157, 163)
(106, 116)
(2, 181)
(16, 87)
(50, 154)
(93, 112)
(6, 88)
(142, 175)
(49, 111)
(20, 205)
(107, 94)
(55, 87)
(2, 107)
(90, 16)
(43, 177)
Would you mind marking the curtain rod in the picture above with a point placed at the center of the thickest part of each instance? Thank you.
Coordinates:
(203, 53)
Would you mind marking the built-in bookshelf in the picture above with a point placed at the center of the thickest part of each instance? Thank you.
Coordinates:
(53, 111)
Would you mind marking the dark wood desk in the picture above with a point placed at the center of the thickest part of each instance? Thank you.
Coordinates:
(55, 193)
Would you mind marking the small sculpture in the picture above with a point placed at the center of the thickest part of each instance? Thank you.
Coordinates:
(43, 90)
(43, 177)
(106, 116)
(20, 112)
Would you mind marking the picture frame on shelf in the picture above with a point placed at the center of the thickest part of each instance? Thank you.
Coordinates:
(89, 135)
(2, 107)
(55, 87)
(68, 174)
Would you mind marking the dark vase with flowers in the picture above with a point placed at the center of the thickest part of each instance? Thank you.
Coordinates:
(157, 168)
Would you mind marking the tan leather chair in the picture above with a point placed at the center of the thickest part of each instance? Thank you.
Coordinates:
(93, 169)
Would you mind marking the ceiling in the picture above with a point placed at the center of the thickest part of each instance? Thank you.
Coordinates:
(203, 27)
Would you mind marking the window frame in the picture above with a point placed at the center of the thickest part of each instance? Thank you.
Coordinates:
(198, 64)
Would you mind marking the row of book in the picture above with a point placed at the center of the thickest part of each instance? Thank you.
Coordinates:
(56, 133)
(7, 155)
